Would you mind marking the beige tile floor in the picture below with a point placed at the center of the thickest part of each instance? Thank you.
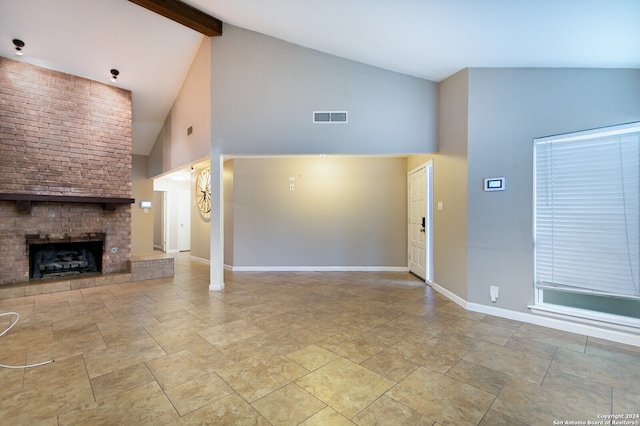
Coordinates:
(297, 348)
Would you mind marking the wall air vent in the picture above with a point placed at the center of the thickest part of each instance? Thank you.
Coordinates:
(330, 116)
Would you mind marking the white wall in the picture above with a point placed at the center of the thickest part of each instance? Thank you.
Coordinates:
(177, 191)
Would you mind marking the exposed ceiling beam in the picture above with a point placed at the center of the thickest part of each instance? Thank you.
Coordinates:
(184, 14)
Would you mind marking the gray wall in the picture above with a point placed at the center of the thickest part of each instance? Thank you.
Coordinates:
(450, 186)
(159, 155)
(192, 109)
(508, 108)
(343, 211)
(174, 148)
(264, 92)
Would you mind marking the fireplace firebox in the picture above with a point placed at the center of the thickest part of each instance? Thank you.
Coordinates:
(66, 257)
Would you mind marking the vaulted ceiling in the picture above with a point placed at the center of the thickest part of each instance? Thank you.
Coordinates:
(430, 39)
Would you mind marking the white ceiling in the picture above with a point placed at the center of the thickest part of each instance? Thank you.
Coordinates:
(431, 39)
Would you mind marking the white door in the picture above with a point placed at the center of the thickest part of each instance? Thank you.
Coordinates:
(420, 221)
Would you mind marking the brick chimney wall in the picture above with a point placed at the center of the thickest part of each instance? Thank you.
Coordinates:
(66, 136)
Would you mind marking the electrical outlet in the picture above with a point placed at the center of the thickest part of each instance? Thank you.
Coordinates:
(493, 293)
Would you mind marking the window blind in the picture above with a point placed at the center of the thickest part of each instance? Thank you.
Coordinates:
(587, 220)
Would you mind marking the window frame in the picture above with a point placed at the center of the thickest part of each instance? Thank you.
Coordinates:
(540, 306)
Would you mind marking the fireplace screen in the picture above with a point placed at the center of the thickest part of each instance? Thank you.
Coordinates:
(64, 259)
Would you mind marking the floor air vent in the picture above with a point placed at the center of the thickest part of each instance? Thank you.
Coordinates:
(330, 116)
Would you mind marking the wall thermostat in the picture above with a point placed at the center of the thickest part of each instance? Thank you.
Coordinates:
(494, 184)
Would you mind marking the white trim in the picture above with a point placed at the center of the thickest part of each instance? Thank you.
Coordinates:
(556, 321)
(263, 156)
(424, 165)
(619, 129)
(213, 287)
(172, 251)
(449, 295)
(588, 316)
(429, 172)
(318, 268)
(216, 228)
(200, 259)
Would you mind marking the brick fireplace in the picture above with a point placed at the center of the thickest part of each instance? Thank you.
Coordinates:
(69, 257)
(65, 166)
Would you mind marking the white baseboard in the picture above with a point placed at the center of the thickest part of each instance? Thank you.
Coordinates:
(216, 287)
(603, 332)
(449, 295)
(555, 322)
(200, 259)
(317, 268)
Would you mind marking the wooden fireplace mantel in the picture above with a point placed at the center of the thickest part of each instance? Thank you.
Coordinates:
(23, 201)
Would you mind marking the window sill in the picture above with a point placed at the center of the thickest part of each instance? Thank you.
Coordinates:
(617, 322)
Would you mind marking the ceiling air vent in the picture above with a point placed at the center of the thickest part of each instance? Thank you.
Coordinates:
(330, 116)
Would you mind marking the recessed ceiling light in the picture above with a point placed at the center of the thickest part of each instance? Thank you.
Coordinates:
(19, 44)
(114, 75)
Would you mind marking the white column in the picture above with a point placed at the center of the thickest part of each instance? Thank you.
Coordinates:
(216, 274)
